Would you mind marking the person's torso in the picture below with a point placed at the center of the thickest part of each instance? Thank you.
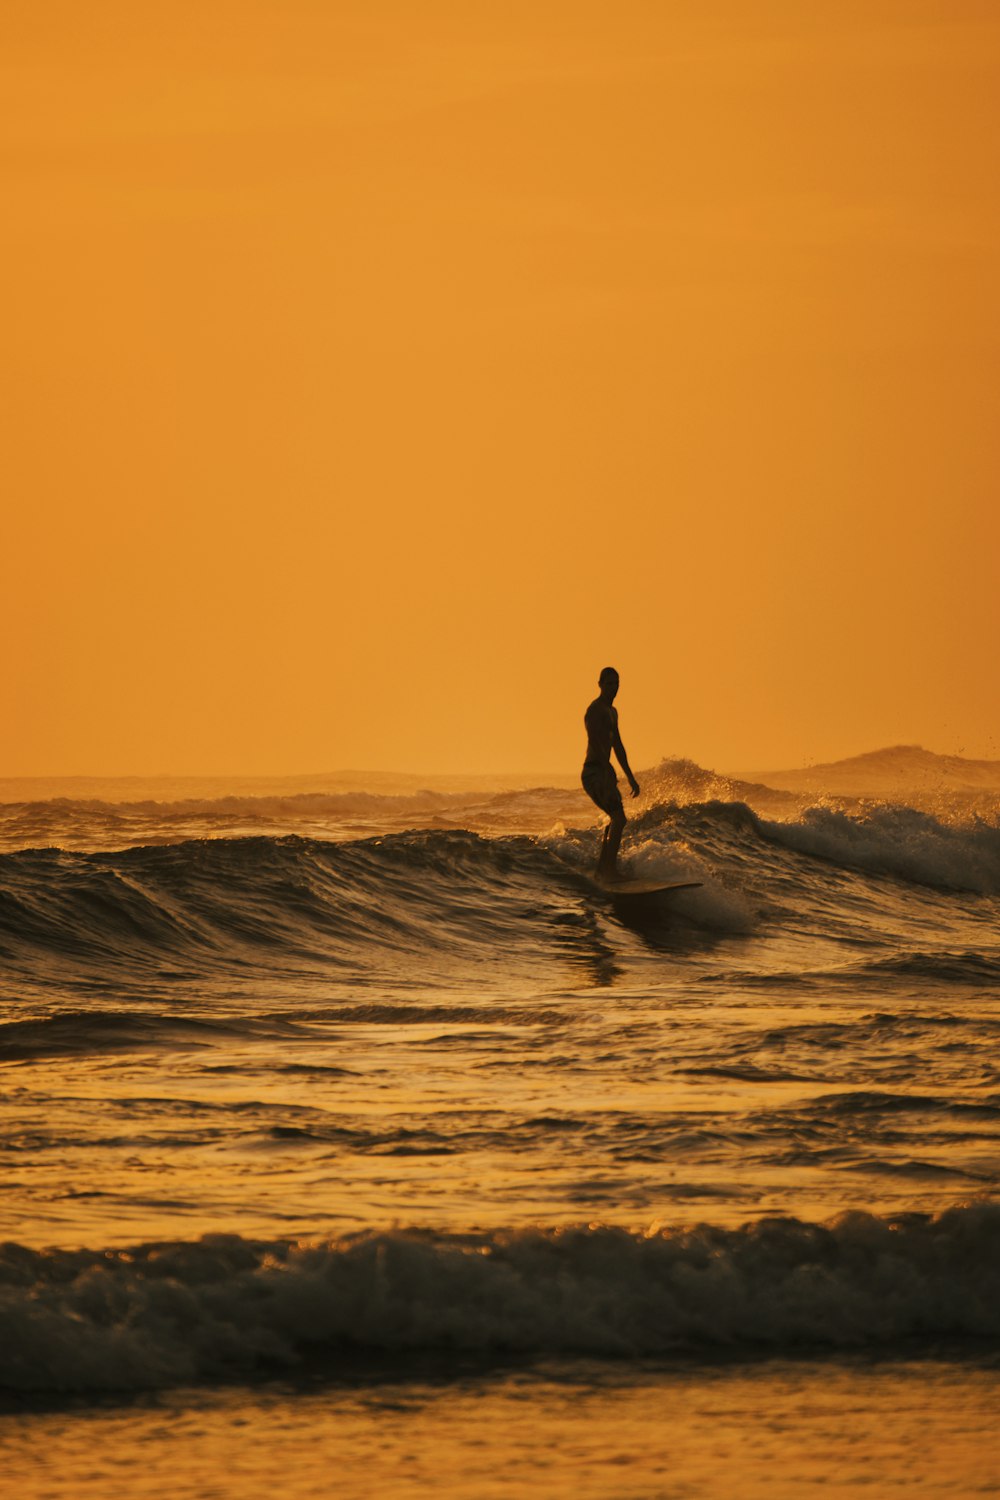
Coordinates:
(600, 725)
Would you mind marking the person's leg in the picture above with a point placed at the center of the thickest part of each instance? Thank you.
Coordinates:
(610, 844)
(615, 830)
(601, 787)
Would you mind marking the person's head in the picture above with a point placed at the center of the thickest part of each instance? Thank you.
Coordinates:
(608, 682)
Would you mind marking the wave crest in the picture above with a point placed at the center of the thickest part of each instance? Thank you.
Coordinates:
(900, 842)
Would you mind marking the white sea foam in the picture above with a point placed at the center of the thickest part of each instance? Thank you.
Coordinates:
(901, 842)
(223, 1307)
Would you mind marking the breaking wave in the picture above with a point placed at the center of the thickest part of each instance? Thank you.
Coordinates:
(164, 1314)
(900, 842)
(237, 904)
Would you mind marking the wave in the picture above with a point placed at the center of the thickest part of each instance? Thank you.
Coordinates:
(164, 1314)
(173, 911)
(900, 842)
(237, 905)
(84, 1032)
(679, 797)
(92, 823)
(970, 967)
(64, 811)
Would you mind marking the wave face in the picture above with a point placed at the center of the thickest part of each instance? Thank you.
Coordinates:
(246, 905)
(166, 1314)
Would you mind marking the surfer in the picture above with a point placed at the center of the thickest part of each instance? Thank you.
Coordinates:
(598, 777)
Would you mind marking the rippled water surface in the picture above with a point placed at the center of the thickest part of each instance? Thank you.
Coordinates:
(282, 1102)
(779, 1430)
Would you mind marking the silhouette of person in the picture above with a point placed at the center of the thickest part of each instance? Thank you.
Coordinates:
(598, 776)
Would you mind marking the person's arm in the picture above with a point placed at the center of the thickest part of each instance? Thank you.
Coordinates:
(619, 749)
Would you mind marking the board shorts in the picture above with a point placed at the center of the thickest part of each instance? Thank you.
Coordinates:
(601, 785)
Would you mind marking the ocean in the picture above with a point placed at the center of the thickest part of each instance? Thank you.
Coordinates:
(354, 1141)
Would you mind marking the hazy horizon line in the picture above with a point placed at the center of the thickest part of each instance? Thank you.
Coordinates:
(520, 774)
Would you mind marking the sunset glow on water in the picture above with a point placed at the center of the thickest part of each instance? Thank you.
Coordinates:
(375, 1109)
(374, 376)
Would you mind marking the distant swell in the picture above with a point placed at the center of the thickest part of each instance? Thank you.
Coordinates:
(223, 1307)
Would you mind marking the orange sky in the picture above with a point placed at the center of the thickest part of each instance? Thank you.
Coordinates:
(376, 371)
